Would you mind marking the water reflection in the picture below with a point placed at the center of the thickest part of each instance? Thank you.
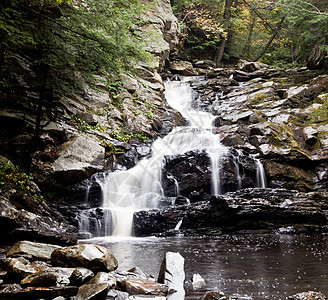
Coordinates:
(264, 266)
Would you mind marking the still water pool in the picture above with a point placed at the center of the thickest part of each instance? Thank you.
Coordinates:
(262, 266)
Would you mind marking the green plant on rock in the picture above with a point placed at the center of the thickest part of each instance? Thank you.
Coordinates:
(84, 126)
(142, 136)
(320, 115)
(15, 182)
(149, 115)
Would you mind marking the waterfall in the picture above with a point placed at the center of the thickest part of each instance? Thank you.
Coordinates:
(260, 174)
(139, 188)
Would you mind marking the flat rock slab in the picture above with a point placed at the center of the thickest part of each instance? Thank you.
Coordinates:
(39, 293)
(51, 277)
(32, 251)
(93, 257)
(92, 291)
(19, 267)
(137, 286)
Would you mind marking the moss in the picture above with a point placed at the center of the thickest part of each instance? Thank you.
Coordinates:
(257, 99)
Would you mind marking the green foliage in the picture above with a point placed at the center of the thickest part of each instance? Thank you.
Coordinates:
(149, 114)
(74, 40)
(84, 126)
(320, 115)
(15, 182)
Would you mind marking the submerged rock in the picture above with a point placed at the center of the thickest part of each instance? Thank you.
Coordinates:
(218, 295)
(308, 296)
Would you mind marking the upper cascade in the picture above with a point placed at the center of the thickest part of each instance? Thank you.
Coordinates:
(140, 187)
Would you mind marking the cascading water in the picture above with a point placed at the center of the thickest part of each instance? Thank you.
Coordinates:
(139, 188)
(260, 174)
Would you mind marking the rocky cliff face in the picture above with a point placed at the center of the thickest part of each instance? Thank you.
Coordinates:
(87, 132)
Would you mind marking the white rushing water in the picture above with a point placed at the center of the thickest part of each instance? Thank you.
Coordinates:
(139, 188)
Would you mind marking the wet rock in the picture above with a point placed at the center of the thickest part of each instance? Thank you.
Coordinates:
(19, 268)
(172, 274)
(198, 281)
(140, 274)
(218, 295)
(103, 277)
(249, 209)
(308, 296)
(39, 293)
(31, 250)
(92, 291)
(22, 225)
(240, 297)
(93, 257)
(51, 276)
(136, 286)
(80, 276)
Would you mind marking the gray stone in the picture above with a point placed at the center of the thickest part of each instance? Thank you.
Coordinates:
(31, 250)
(49, 277)
(79, 159)
(103, 277)
(80, 276)
(92, 291)
(117, 295)
(93, 257)
(182, 67)
(247, 66)
(137, 286)
(173, 275)
(217, 295)
(21, 267)
(198, 281)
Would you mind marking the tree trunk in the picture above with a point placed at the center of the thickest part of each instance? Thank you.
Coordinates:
(249, 39)
(227, 15)
(271, 39)
(2, 53)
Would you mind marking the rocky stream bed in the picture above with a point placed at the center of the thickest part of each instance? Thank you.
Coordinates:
(86, 271)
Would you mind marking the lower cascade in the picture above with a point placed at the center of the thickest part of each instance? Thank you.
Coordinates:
(125, 192)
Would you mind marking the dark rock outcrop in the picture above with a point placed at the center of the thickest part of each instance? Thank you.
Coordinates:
(250, 209)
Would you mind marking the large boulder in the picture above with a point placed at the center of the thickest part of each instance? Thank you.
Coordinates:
(182, 68)
(20, 224)
(32, 250)
(93, 257)
(173, 275)
(248, 66)
(78, 160)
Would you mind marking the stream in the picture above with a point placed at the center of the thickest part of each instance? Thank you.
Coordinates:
(271, 266)
(262, 266)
